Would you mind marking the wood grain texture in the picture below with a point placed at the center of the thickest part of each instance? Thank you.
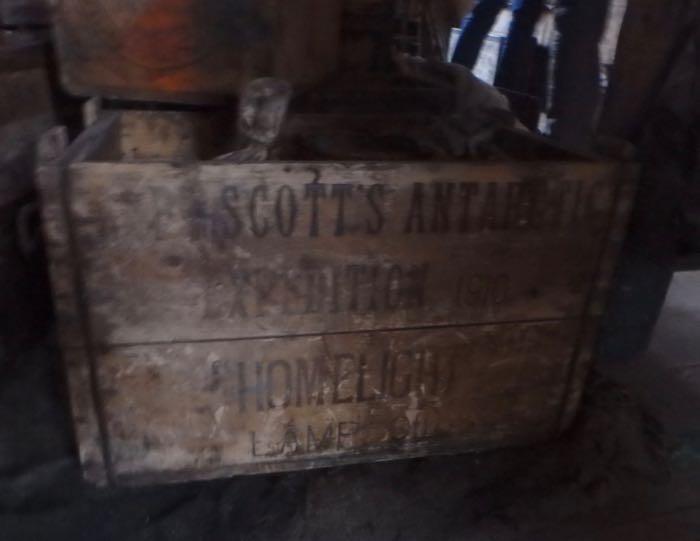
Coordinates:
(50, 179)
(172, 135)
(255, 405)
(598, 295)
(217, 252)
(192, 51)
(23, 72)
(230, 319)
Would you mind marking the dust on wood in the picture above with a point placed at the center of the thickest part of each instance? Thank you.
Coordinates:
(267, 317)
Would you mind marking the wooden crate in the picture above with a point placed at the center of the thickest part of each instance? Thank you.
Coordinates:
(221, 319)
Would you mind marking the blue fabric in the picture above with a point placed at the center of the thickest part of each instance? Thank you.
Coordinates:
(518, 58)
(515, 68)
(475, 28)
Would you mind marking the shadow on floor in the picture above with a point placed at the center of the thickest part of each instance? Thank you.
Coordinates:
(622, 472)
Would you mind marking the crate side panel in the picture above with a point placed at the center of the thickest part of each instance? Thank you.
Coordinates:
(598, 296)
(71, 324)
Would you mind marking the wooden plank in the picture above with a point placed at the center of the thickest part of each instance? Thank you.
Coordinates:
(174, 136)
(73, 327)
(192, 50)
(208, 409)
(220, 252)
(49, 178)
(85, 408)
(153, 135)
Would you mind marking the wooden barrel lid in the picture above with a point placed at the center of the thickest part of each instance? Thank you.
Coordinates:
(193, 51)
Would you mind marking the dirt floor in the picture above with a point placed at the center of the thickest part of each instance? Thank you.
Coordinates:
(666, 381)
(629, 469)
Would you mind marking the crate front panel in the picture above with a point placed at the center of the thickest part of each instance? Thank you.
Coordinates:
(204, 409)
(220, 252)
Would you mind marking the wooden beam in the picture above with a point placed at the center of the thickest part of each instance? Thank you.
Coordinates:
(653, 34)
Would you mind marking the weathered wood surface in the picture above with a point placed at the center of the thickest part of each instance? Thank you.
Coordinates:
(597, 299)
(216, 252)
(74, 333)
(221, 319)
(192, 50)
(240, 407)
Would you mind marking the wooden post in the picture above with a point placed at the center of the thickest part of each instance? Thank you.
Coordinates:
(652, 35)
(651, 102)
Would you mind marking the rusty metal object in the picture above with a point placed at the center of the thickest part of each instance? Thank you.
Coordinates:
(193, 50)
